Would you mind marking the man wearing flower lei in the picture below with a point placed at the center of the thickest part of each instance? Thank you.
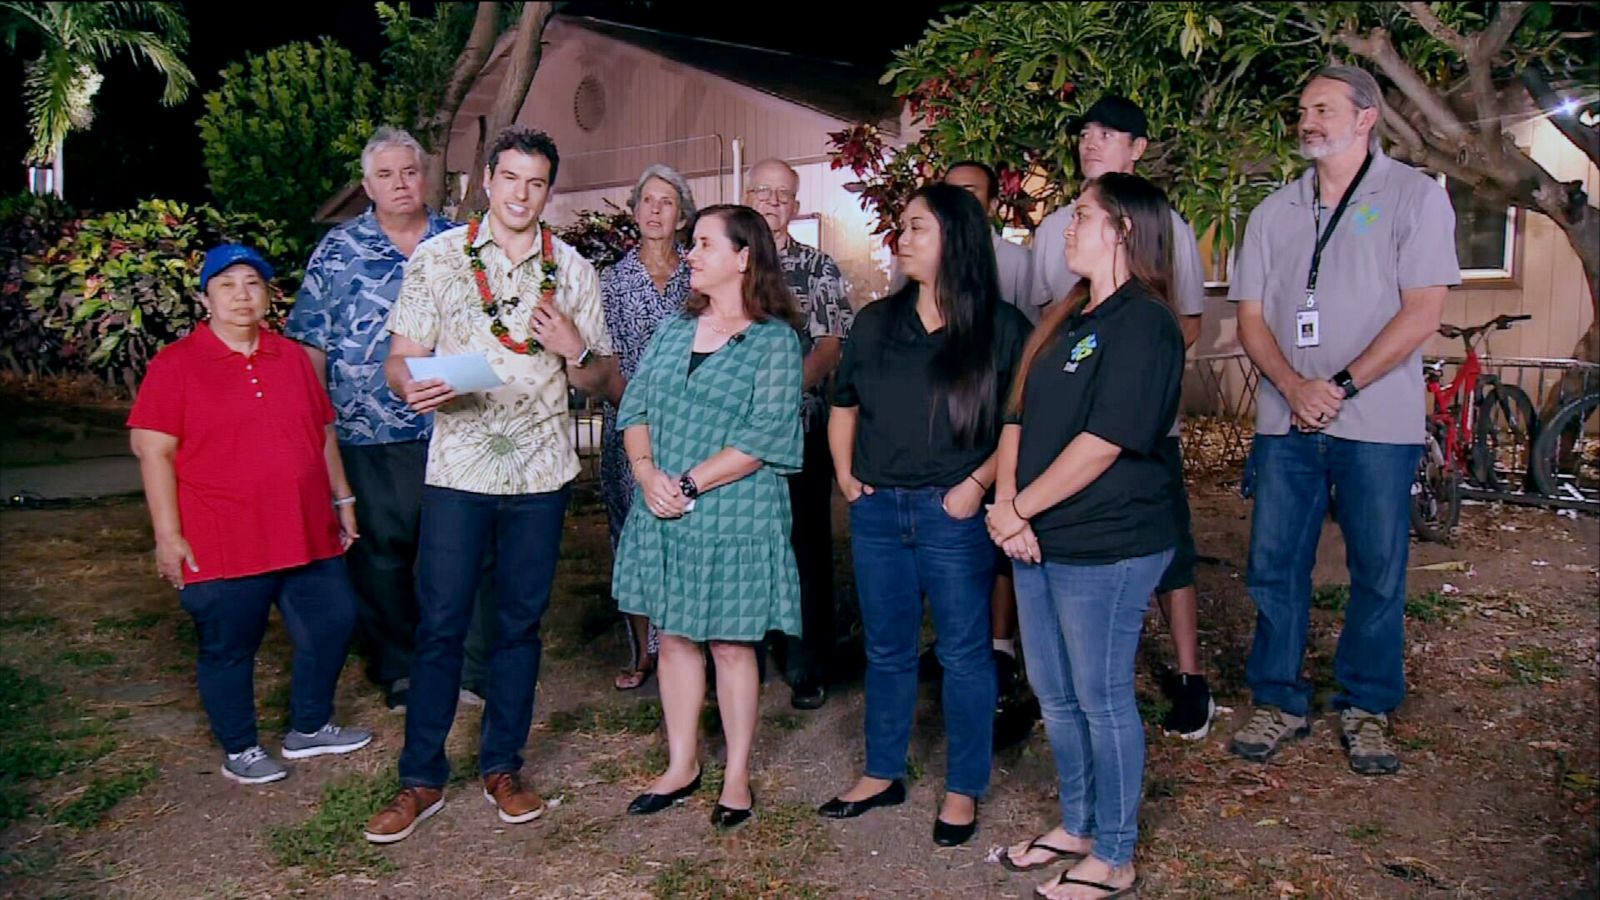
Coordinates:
(499, 464)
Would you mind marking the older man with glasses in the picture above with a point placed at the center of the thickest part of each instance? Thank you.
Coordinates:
(823, 295)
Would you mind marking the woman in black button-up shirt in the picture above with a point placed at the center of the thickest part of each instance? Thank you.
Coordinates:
(1083, 505)
(916, 419)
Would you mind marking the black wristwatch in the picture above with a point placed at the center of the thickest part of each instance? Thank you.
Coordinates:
(687, 485)
(1346, 383)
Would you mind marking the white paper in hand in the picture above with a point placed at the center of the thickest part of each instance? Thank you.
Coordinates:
(464, 372)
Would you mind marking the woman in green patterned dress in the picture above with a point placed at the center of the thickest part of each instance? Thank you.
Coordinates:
(711, 423)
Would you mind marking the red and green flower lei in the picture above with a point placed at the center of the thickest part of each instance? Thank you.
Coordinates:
(491, 306)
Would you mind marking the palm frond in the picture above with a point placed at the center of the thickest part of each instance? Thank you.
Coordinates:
(57, 87)
(160, 53)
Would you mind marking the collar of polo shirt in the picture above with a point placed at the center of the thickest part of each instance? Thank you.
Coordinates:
(1377, 178)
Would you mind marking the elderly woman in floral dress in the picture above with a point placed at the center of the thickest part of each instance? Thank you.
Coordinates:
(648, 284)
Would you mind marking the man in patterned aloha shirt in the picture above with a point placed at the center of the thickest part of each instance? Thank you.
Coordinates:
(499, 465)
(823, 295)
(350, 285)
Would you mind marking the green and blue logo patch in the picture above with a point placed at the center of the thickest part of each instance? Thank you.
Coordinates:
(1081, 351)
(1366, 217)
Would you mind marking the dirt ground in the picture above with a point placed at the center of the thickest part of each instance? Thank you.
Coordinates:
(109, 777)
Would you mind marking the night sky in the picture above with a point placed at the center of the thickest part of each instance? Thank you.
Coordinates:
(137, 148)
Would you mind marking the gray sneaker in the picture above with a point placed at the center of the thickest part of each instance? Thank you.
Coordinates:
(470, 697)
(1366, 736)
(253, 766)
(329, 738)
(1267, 732)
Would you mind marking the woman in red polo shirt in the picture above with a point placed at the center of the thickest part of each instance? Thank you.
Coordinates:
(250, 505)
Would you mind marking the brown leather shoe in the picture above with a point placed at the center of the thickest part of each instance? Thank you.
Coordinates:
(515, 802)
(396, 821)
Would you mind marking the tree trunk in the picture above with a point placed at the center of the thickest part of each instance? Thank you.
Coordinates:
(58, 170)
(434, 128)
(521, 66)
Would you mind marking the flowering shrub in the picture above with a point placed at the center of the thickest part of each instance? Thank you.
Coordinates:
(602, 236)
(117, 288)
(28, 225)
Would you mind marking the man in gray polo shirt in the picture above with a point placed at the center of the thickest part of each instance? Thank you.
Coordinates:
(1337, 336)
(1013, 260)
(1114, 134)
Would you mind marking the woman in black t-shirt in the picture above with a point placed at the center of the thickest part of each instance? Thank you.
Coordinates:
(915, 423)
(1083, 506)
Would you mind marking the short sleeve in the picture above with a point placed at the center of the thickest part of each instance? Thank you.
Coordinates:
(1249, 275)
(831, 314)
(318, 393)
(159, 404)
(311, 318)
(771, 431)
(1136, 388)
(415, 314)
(1049, 261)
(1427, 249)
(844, 377)
(1188, 272)
(635, 408)
(585, 307)
(1012, 330)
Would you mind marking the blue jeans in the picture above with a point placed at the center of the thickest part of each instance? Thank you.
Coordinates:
(457, 526)
(906, 547)
(230, 617)
(1080, 629)
(1294, 475)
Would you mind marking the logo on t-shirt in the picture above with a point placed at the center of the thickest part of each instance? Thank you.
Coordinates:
(1080, 352)
(1366, 217)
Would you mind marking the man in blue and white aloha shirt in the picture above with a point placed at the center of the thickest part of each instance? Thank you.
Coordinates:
(339, 315)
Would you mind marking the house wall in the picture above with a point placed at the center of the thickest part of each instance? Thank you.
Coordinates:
(656, 110)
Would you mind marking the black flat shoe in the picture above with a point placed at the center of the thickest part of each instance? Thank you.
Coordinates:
(947, 835)
(808, 694)
(893, 795)
(646, 804)
(726, 818)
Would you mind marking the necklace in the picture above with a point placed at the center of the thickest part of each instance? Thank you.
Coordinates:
(491, 306)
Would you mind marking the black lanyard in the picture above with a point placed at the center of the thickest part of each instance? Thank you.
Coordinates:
(1316, 217)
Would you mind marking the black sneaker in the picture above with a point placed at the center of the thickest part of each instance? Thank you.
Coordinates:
(397, 694)
(1192, 707)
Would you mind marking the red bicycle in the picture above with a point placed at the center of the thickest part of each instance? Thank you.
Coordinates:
(1481, 430)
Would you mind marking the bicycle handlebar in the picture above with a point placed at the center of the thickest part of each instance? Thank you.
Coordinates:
(1497, 323)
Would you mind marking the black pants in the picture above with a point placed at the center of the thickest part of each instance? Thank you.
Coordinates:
(811, 499)
(387, 480)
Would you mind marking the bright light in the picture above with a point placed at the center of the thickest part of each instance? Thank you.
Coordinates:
(1569, 107)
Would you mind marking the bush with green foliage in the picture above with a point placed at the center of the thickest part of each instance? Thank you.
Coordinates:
(122, 285)
(28, 225)
(285, 130)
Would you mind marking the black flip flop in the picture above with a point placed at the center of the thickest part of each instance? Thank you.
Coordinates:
(1112, 891)
(1039, 844)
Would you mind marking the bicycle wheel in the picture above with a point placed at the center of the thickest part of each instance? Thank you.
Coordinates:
(1436, 494)
(1505, 430)
(1566, 457)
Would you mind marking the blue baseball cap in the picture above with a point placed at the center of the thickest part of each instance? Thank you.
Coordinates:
(225, 255)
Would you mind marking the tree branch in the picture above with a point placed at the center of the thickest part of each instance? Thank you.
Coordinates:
(1432, 24)
(1493, 39)
(1482, 48)
(435, 126)
(1585, 137)
(1376, 46)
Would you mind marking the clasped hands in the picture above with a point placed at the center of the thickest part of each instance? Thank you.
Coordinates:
(662, 493)
(1314, 403)
(1011, 532)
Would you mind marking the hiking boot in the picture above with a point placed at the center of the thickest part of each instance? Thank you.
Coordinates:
(1267, 732)
(1366, 736)
(404, 813)
(328, 739)
(515, 803)
(253, 766)
(1192, 707)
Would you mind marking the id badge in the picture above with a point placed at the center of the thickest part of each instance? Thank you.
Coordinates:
(1307, 332)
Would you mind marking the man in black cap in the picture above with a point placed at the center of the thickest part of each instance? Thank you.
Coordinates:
(1113, 135)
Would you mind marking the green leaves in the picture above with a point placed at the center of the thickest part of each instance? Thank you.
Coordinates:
(285, 130)
(118, 287)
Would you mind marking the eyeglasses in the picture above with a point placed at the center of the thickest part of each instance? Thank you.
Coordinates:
(768, 192)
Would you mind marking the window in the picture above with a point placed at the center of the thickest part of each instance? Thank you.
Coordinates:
(807, 230)
(1486, 232)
